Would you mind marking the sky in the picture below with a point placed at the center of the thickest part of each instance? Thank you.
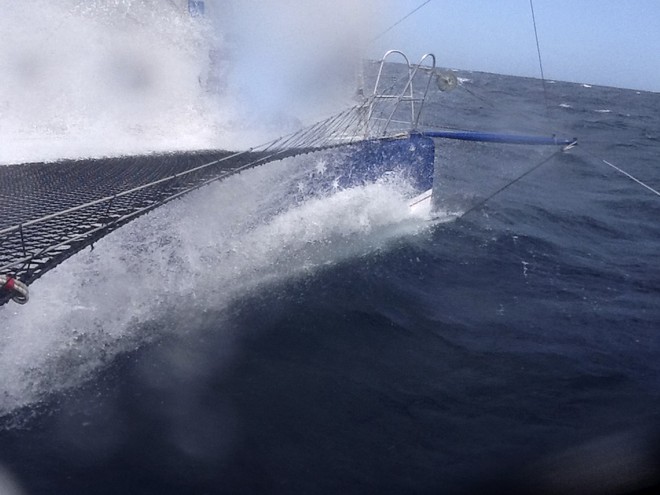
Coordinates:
(605, 42)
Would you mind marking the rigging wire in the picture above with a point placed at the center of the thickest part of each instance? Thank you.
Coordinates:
(545, 161)
(630, 176)
(538, 51)
(623, 172)
(399, 21)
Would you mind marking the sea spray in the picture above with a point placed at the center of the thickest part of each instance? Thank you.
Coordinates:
(159, 274)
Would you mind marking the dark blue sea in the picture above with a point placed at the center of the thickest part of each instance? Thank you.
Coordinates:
(337, 346)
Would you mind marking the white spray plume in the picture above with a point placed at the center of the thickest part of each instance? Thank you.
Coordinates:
(161, 273)
(90, 78)
(85, 78)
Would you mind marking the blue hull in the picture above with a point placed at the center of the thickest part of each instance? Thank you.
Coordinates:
(413, 156)
(410, 157)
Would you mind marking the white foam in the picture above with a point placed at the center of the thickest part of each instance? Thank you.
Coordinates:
(160, 273)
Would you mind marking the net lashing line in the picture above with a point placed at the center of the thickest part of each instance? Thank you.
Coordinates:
(50, 211)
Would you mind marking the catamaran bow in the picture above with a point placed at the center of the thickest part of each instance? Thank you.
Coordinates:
(50, 211)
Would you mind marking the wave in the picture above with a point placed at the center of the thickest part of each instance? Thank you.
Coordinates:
(163, 271)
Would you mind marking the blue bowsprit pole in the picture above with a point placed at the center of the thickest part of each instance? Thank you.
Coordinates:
(490, 137)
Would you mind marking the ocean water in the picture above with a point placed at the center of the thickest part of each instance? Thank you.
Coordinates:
(239, 342)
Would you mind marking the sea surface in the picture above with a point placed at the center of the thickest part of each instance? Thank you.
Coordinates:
(233, 342)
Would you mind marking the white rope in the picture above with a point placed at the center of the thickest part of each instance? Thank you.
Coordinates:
(631, 177)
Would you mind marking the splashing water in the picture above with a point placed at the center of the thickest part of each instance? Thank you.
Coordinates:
(159, 273)
(105, 78)
(83, 78)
